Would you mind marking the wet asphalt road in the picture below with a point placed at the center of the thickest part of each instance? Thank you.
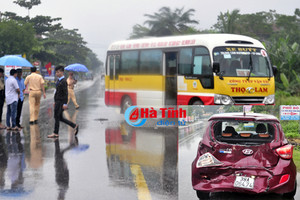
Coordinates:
(108, 159)
(189, 138)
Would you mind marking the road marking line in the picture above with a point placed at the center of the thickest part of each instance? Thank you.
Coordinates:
(140, 183)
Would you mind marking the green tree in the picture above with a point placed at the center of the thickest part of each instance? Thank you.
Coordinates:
(45, 24)
(93, 62)
(12, 16)
(27, 4)
(70, 46)
(43, 38)
(259, 25)
(166, 22)
(16, 38)
(139, 31)
(287, 58)
(227, 21)
(288, 25)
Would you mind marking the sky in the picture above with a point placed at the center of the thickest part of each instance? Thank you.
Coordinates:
(101, 22)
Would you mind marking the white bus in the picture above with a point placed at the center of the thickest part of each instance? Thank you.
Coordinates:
(206, 69)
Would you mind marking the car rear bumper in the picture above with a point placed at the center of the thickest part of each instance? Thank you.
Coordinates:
(266, 181)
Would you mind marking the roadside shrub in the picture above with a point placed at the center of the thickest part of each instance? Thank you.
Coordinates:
(285, 98)
(290, 129)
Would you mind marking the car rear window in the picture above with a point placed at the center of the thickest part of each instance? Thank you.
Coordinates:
(244, 132)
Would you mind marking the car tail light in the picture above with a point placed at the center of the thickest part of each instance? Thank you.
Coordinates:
(207, 160)
(285, 152)
(284, 178)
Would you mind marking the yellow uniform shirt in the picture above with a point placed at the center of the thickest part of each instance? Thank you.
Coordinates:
(35, 81)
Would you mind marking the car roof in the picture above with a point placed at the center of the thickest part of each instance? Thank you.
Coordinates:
(246, 117)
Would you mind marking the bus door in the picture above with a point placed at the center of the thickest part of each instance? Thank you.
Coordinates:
(171, 63)
(114, 68)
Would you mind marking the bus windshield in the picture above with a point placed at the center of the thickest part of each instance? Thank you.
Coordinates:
(242, 61)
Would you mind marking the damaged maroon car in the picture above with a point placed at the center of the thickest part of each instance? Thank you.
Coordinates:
(244, 153)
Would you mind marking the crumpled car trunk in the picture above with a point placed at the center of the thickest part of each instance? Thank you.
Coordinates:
(232, 155)
(235, 163)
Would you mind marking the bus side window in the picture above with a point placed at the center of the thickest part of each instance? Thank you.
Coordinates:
(111, 67)
(117, 66)
(201, 66)
(185, 61)
(129, 62)
(197, 70)
(150, 61)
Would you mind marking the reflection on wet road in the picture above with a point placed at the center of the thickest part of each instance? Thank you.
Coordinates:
(189, 138)
(108, 159)
(146, 155)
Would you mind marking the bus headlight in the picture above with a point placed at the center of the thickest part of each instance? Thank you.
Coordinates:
(269, 99)
(222, 99)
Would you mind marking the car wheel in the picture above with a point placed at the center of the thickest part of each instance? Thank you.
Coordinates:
(291, 194)
(126, 103)
(202, 195)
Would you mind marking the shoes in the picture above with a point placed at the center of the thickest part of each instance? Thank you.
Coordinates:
(2, 127)
(77, 107)
(76, 129)
(53, 135)
(36, 122)
(9, 128)
(20, 127)
(15, 129)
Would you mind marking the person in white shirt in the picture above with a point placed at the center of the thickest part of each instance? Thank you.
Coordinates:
(12, 93)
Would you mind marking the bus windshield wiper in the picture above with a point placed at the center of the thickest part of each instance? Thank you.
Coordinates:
(250, 66)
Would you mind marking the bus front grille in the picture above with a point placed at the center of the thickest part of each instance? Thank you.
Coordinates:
(248, 100)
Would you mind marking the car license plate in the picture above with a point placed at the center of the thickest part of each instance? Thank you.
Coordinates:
(244, 182)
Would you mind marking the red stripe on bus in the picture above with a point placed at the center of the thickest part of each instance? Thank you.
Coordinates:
(115, 98)
(185, 99)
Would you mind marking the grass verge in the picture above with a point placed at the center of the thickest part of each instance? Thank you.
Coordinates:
(296, 158)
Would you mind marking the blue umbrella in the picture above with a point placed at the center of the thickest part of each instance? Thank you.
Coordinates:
(76, 67)
(14, 60)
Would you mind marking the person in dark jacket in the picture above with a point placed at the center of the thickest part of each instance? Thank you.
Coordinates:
(60, 102)
(2, 96)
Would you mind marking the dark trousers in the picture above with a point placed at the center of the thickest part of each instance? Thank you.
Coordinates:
(19, 111)
(58, 116)
(2, 98)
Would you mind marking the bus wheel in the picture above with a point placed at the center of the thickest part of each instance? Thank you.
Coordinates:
(197, 102)
(126, 103)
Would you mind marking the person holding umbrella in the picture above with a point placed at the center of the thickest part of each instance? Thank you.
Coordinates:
(71, 95)
(36, 84)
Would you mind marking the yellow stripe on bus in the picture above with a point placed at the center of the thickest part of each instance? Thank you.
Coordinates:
(136, 82)
(232, 86)
(140, 183)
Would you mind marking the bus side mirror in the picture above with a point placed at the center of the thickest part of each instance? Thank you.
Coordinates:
(274, 70)
(216, 67)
